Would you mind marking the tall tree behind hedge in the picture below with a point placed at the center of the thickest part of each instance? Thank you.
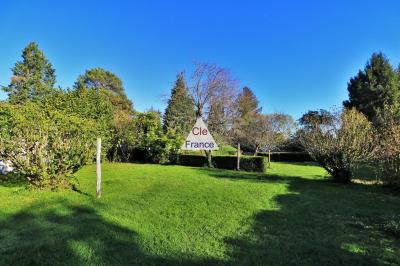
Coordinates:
(33, 77)
(179, 114)
(107, 82)
(373, 87)
(247, 111)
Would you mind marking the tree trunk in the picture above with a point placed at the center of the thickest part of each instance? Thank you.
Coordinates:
(209, 159)
(255, 151)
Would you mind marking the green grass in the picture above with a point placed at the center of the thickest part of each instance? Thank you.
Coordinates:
(158, 215)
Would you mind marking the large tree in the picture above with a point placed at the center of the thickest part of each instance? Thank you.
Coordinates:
(33, 77)
(246, 117)
(179, 114)
(373, 87)
(209, 81)
(107, 82)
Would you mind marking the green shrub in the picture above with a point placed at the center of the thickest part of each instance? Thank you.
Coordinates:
(287, 156)
(192, 160)
(247, 163)
(45, 145)
(225, 150)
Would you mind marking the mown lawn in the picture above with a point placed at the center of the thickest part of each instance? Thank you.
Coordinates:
(158, 215)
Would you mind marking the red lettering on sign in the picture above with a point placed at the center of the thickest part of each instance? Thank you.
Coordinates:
(199, 131)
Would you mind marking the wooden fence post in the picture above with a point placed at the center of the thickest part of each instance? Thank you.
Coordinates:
(269, 158)
(238, 157)
(98, 168)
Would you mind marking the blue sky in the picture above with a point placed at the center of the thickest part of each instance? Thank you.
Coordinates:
(295, 55)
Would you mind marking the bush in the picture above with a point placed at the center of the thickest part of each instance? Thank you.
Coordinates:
(192, 160)
(288, 156)
(339, 141)
(388, 154)
(247, 163)
(45, 145)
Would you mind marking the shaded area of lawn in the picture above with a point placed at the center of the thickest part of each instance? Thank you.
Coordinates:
(72, 235)
(315, 222)
(320, 223)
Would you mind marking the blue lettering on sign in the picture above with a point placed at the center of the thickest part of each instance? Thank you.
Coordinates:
(199, 145)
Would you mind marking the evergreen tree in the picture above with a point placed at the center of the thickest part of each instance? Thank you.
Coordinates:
(373, 87)
(247, 104)
(247, 112)
(33, 77)
(108, 83)
(179, 114)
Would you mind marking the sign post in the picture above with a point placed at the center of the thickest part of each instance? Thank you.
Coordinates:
(98, 168)
(238, 157)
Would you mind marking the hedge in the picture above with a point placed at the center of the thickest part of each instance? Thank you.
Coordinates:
(192, 160)
(247, 163)
(287, 156)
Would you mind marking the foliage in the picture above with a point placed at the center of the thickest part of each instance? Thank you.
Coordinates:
(123, 140)
(45, 145)
(388, 154)
(339, 143)
(155, 145)
(108, 83)
(246, 118)
(287, 156)
(192, 160)
(33, 77)
(247, 163)
(179, 114)
(378, 84)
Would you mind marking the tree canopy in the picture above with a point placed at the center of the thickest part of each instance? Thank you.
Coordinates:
(374, 87)
(33, 77)
(179, 114)
(107, 82)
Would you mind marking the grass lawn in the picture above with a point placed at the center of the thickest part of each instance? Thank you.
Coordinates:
(157, 215)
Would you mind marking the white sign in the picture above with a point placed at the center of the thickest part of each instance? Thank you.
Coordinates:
(199, 138)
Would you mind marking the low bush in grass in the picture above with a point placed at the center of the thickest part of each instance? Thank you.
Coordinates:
(288, 156)
(247, 163)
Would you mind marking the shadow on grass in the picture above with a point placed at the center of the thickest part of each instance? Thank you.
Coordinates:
(73, 235)
(320, 223)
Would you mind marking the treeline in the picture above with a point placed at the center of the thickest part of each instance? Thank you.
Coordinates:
(48, 133)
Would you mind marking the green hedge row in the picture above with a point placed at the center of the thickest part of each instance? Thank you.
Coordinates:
(287, 156)
(247, 163)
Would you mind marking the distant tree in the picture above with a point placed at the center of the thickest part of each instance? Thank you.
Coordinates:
(246, 116)
(375, 86)
(268, 131)
(179, 114)
(316, 118)
(108, 83)
(208, 82)
(247, 104)
(221, 113)
(33, 77)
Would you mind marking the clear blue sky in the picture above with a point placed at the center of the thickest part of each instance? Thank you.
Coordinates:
(295, 55)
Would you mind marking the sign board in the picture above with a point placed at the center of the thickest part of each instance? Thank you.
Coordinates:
(199, 138)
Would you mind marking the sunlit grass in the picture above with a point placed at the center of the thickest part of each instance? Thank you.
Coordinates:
(154, 214)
